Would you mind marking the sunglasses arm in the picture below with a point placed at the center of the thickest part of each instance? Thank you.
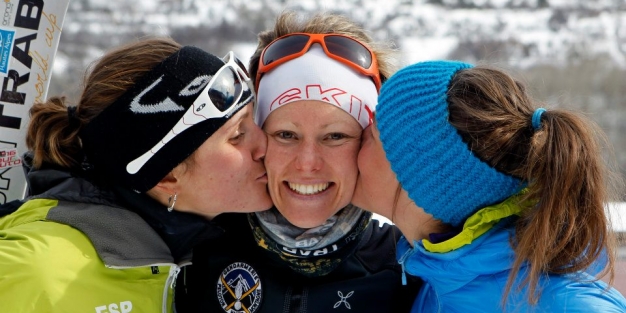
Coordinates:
(185, 122)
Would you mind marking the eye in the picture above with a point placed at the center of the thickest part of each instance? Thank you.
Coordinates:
(337, 136)
(238, 136)
(285, 135)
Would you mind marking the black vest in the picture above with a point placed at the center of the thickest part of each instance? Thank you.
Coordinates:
(235, 274)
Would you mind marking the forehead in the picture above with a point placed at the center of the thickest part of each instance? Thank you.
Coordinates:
(309, 112)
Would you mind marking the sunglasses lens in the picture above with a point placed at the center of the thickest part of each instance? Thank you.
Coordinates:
(226, 89)
(284, 47)
(349, 50)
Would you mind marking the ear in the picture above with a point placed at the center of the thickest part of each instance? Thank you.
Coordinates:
(167, 185)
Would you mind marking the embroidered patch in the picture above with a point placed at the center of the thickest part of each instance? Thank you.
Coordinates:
(239, 289)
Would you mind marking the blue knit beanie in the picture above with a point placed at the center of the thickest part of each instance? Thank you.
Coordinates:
(427, 154)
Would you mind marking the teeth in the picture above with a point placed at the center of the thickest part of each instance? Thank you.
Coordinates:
(308, 189)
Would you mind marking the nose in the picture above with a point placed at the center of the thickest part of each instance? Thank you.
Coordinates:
(309, 156)
(260, 143)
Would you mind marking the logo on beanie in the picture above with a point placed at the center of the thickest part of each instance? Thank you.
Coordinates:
(167, 104)
(239, 289)
(335, 96)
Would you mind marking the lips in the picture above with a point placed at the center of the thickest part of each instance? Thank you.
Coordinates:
(308, 189)
(262, 177)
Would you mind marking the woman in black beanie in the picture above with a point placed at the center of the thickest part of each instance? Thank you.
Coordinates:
(122, 185)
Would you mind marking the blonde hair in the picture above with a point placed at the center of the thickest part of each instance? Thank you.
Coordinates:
(324, 23)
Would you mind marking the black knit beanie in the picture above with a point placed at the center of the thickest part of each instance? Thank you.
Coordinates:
(145, 113)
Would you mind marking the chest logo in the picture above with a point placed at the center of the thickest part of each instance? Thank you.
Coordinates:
(343, 299)
(239, 289)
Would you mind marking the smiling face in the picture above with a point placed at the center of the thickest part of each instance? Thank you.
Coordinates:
(226, 173)
(311, 160)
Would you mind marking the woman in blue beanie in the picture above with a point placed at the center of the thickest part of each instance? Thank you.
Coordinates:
(501, 203)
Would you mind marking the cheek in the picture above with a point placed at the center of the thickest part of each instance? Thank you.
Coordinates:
(351, 169)
(364, 160)
(227, 165)
(346, 161)
(374, 167)
(276, 158)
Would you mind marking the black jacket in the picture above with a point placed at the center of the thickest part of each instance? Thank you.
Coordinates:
(233, 267)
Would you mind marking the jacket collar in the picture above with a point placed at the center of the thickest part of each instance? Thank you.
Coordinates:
(481, 248)
(480, 222)
(180, 231)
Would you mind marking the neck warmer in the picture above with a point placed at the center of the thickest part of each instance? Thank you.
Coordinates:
(315, 251)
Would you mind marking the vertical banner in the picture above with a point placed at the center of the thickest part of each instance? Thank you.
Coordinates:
(29, 37)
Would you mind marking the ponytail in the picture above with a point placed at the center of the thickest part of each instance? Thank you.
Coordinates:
(52, 136)
(568, 229)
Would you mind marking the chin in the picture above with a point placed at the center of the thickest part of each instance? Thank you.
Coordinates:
(306, 223)
(268, 204)
(356, 201)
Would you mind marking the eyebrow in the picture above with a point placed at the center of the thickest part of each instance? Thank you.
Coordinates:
(236, 122)
(325, 125)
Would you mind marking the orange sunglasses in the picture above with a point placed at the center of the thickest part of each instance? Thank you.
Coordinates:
(344, 49)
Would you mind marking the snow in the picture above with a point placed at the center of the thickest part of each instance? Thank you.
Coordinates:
(617, 214)
(422, 49)
(421, 30)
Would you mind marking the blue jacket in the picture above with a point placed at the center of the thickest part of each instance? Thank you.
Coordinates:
(470, 273)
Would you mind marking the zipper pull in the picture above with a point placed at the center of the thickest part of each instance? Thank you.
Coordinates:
(174, 277)
(401, 262)
(403, 276)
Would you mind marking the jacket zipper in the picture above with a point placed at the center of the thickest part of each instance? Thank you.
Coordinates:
(401, 262)
(169, 284)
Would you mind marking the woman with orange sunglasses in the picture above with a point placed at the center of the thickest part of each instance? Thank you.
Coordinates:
(317, 82)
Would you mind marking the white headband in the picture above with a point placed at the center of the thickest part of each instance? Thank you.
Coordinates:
(315, 76)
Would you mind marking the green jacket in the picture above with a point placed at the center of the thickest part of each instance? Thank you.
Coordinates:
(58, 256)
(77, 248)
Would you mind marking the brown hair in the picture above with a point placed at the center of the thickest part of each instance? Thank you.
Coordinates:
(563, 162)
(323, 23)
(53, 136)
